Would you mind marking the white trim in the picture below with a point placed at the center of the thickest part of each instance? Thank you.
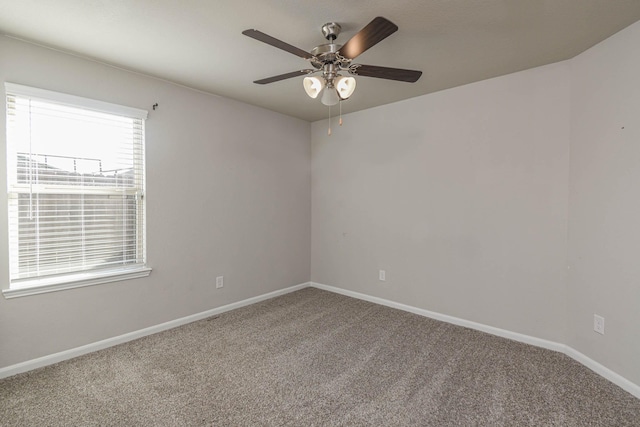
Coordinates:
(601, 370)
(79, 280)
(596, 367)
(527, 339)
(110, 342)
(74, 101)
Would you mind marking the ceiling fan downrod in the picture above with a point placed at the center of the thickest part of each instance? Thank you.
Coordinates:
(331, 31)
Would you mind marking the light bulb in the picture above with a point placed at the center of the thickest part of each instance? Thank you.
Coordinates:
(345, 86)
(330, 96)
(313, 86)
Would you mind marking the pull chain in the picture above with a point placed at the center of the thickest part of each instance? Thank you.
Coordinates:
(329, 132)
(340, 121)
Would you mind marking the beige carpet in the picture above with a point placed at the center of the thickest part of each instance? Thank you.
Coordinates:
(314, 358)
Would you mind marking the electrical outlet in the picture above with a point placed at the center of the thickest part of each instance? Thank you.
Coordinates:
(598, 324)
(382, 275)
(219, 282)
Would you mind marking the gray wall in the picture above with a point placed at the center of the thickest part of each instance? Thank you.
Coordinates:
(604, 227)
(512, 202)
(468, 198)
(228, 193)
(461, 196)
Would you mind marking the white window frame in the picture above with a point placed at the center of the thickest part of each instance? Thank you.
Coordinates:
(52, 283)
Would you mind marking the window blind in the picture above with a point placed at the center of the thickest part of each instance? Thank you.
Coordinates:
(75, 183)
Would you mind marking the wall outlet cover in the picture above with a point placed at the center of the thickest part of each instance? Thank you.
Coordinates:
(598, 324)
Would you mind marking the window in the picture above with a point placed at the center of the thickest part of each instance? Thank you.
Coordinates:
(75, 174)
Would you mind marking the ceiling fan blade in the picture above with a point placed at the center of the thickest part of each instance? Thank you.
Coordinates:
(399, 74)
(265, 38)
(283, 76)
(376, 31)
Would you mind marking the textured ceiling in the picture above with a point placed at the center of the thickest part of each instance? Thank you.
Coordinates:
(198, 43)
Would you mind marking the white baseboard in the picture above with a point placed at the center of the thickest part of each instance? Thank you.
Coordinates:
(601, 370)
(551, 345)
(110, 342)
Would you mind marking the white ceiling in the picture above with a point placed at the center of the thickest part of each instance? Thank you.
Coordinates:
(198, 43)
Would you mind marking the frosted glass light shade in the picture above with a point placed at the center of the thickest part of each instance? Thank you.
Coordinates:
(345, 86)
(313, 86)
(330, 96)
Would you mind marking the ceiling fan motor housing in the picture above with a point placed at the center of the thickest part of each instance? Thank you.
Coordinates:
(324, 54)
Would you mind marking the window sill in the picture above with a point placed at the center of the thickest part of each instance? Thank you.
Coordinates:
(59, 283)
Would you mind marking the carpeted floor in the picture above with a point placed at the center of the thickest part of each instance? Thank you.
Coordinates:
(314, 358)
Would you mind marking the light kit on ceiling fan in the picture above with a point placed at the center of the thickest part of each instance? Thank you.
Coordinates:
(340, 89)
(345, 86)
(331, 58)
(330, 96)
(313, 86)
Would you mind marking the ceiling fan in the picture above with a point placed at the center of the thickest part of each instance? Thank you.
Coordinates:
(331, 58)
